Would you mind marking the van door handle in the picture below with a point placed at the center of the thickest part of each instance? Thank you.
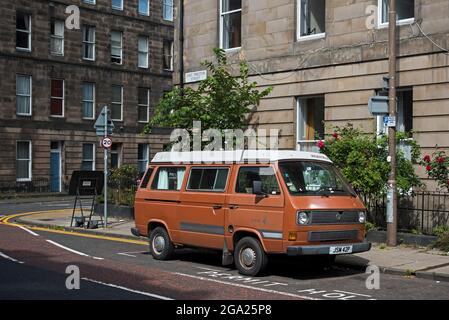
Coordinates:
(233, 207)
(217, 206)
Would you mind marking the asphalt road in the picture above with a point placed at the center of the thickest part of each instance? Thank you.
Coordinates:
(33, 266)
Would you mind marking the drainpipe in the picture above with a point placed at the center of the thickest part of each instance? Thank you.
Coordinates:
(181, 45)
(392, 204)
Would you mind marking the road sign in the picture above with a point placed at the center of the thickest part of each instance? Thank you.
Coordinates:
(100, 124)
(106, 143)
(390, 122)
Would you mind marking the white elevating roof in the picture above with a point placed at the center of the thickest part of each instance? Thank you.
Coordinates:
(239, 156)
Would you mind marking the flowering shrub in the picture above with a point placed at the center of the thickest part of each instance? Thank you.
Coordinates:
(437, 168)
(363, 161)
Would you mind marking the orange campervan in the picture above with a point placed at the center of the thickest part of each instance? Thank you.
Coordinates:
(249, 205)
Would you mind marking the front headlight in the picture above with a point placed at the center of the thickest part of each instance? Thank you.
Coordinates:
(303, 218)
(362, 217)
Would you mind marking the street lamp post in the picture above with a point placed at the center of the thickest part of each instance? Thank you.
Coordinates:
(392, 199)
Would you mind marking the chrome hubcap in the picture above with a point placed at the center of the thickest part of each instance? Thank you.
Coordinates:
(158, 244)
(248, 257)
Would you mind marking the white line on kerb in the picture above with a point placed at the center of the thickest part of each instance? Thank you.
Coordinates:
(127, 289)
(247, 287)
(73, 251)
(29, 231)
(9, 258)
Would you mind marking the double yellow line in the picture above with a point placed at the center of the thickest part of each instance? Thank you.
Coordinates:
(5, 220)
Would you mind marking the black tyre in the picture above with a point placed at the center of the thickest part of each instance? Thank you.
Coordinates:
(161, 247)
(249, 257)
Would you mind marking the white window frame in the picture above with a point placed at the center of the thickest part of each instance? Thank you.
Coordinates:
(90, 1)
(147, 39)
(146, 154)
(89, 101)
(25, 31)
(119, 153)
(171, 52)
(166, 5)
(116, 103)
(115, 7)
(299, 37)
(89, 43)
(142, 13)
(30, 161)
(58, 98)
(381, 24)
(115, 47)
(147, 105)
(222, 14)
(300, 117)
(93, 155)
(22, 95)
(57, 37)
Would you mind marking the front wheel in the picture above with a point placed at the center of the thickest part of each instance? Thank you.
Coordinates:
(249, 256)
(161, 247)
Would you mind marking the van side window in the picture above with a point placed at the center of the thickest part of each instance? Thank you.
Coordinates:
(208, 179)
(169, 179)
(146, 178)
(247, 175)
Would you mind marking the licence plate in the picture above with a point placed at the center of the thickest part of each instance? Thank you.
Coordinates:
(340, 250)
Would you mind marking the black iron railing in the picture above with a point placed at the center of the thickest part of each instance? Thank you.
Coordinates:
(418, 212)
(37, 185)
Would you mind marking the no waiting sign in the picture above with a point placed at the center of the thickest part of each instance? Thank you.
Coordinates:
(106, 143)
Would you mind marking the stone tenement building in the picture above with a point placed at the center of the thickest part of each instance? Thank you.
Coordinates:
(325, 58)
(55, 80)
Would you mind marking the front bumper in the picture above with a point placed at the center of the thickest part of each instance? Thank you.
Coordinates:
(324, 249)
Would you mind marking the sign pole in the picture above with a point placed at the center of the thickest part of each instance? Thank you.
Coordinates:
(106, 170)
(392, 199)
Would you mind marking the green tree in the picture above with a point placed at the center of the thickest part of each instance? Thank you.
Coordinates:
(363, 161)
(222, 101)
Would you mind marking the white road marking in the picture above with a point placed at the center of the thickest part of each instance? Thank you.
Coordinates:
(247, 287)
(353, 293)
(9, 258)
(130, 254)
(29, 231)
(127, 289)
(73, 251)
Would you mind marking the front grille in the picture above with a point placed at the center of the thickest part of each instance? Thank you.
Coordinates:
(334, 217)
(322, 236)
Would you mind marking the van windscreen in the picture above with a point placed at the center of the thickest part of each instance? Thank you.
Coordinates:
(313, 178)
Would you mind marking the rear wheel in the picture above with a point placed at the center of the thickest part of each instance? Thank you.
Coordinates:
(161, 247)
(249, 256)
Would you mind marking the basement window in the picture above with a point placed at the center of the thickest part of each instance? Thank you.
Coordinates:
(405, 12)
(311, 19)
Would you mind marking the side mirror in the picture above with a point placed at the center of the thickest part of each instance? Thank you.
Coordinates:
(257, 188)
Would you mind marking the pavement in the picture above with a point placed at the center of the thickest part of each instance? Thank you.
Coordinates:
(403, 260)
